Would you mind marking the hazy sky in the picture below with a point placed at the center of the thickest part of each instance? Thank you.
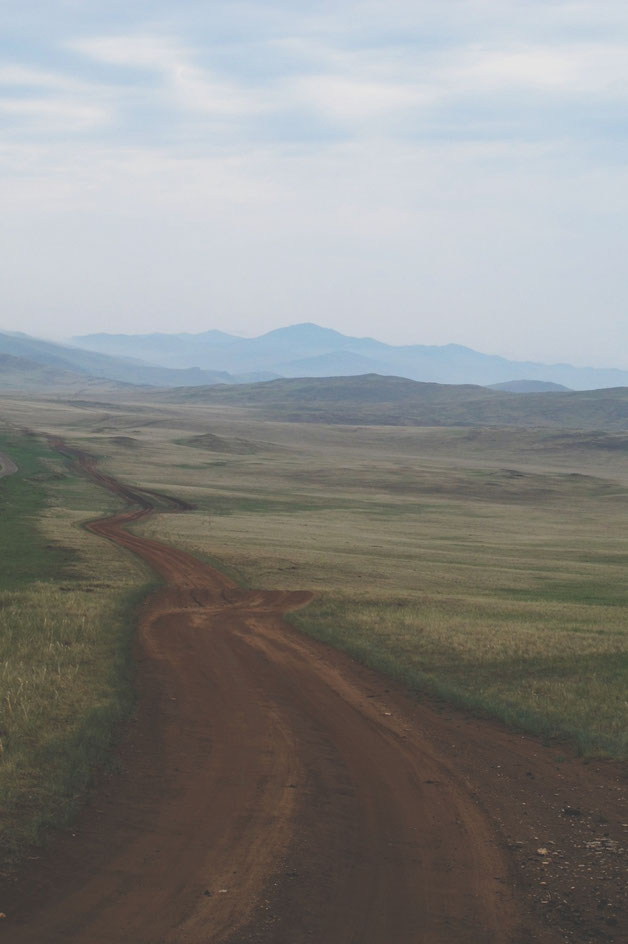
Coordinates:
(418, 170)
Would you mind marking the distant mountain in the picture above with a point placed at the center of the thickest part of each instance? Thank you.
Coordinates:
(310, 350)
(93, 364)
(164, 350)
(336, 364)
(377, 400)
(528, 386)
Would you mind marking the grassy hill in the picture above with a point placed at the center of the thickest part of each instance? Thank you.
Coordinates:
(375, 400)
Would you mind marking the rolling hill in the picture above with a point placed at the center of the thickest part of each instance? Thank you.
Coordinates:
(375, 400)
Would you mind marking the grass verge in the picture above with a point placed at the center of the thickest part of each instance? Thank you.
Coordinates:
(66, 606)
(492, 659)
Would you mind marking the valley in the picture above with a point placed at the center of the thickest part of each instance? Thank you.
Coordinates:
(448, 569)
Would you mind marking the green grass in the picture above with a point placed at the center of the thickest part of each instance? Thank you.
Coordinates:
(25, 554)
(66, 608)
(551, 673)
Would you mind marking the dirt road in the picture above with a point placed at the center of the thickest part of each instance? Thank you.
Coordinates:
(270, 790)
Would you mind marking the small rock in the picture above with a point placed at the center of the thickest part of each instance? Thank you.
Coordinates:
(571, 811)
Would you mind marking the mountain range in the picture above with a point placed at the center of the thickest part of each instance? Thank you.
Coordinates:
(308, 350)
(214, 357)
(31, 365)
(89, 365)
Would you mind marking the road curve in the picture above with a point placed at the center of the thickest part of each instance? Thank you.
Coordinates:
(268, 791)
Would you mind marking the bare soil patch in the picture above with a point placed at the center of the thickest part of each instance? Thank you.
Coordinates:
(7, 466)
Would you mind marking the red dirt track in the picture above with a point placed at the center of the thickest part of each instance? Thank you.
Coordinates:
(272, 791)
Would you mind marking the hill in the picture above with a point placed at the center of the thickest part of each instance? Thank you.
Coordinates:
(94, 364)
(375, 400)
(164, 350)
(308, 350)
(20, 375)
(528, 386)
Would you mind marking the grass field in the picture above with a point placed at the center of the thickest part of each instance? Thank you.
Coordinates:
(486, 566)
(65, 671)
(505, 593)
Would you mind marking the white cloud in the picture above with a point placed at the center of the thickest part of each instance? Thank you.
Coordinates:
(17, 75)
(44, 102)
(577, 68)
(133, 51)
(183, 82)
(195, 90)
(353, 99)
(50, 115)
(530, 67)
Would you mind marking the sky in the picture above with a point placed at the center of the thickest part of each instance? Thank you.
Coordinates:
(420, 171)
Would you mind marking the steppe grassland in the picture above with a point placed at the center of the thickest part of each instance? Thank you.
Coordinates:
(64, 641)
(485, 565)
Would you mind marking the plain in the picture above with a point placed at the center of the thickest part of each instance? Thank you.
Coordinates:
(483, 565)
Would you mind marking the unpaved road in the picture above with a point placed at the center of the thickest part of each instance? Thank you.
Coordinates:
(7, 466)
(269, 790)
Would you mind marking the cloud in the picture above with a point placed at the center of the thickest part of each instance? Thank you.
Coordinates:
(184, 83)
(49, 115)
(15, 75)
(452, 168)
(352, 99)
(133, 51)
(43, 103)
(579, 68)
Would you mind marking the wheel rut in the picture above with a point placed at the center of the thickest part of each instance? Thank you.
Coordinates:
(269, 790)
